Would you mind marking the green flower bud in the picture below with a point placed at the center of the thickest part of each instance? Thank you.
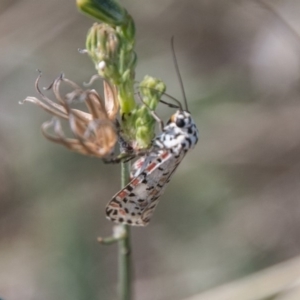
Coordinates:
(151, 90)
(103, 46)
(111, 53)
(145, 126)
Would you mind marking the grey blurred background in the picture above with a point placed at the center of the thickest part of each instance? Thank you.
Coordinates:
(232, 207)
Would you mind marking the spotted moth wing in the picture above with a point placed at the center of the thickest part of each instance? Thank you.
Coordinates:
(136, 202)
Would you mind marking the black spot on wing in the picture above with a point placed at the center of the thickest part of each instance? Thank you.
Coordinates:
(150, 188)
(115, 201)
(129, 188)
(108, 211)
(189, 142)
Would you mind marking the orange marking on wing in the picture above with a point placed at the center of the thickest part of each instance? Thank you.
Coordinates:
(122, 194)
(151, 167)
(113, 204)
(135, 182)
(122, 212)
(165, 154)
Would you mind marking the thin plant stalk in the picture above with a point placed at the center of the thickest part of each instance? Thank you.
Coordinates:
(125, 271)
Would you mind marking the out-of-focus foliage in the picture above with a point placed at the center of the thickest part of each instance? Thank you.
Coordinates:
(232, 207)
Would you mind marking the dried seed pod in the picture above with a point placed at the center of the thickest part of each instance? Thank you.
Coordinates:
(94, 131)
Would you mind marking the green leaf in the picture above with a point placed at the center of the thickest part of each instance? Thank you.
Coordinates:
(107, 11)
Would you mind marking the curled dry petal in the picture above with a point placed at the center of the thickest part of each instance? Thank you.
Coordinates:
(111, 101)
(94, 130)
(110, 96)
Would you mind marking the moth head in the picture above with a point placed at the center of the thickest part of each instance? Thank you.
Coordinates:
(182, 119)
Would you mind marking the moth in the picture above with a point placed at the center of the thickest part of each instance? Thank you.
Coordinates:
(136, 202)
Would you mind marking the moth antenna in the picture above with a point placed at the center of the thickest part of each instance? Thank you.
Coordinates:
(167, 95)
(178, 73)
(169, 104)
(174, 99)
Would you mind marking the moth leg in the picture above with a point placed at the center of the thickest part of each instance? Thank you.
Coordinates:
(123, 157)
(125, 147)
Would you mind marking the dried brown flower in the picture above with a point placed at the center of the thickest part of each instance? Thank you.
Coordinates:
(94, 131)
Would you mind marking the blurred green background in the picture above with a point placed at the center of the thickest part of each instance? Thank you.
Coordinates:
(232, 208)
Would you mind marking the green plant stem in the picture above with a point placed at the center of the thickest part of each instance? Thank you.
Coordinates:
(125, 277)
